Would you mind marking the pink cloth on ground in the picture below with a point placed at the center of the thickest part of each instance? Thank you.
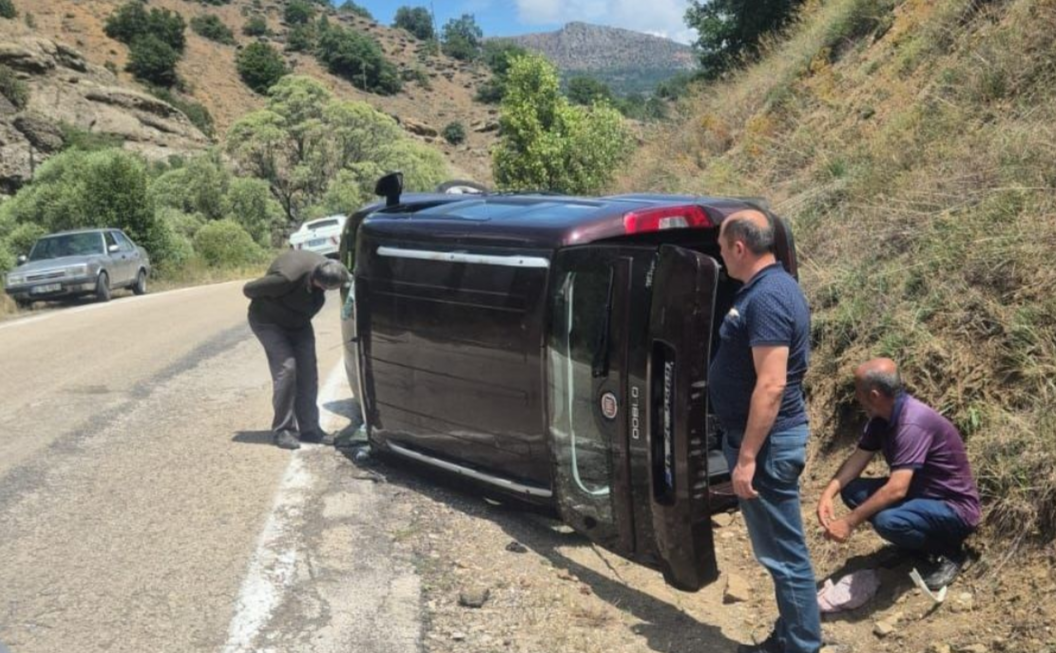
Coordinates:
(852, 591)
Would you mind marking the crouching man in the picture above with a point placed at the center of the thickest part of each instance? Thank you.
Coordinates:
(280, 314)
(929, 504)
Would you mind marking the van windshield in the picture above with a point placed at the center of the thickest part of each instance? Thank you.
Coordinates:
(579, 326)
(67, 245)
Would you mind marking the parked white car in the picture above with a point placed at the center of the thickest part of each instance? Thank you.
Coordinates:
(322, 235)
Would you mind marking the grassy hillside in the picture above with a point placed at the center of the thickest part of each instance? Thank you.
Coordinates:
(913, 145)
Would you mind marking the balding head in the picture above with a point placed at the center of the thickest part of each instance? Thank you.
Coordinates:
(753, 228)
(876, 385)
(880, 374)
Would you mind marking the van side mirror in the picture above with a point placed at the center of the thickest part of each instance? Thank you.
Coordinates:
(112, 249)
(390, 187)
(21, 259)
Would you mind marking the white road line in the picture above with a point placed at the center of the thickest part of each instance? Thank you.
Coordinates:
(274, 563)
(123, 301)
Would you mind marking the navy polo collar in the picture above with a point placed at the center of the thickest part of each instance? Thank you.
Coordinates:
(765, 272)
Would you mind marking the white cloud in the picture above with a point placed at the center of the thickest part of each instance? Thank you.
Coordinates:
(660, 17)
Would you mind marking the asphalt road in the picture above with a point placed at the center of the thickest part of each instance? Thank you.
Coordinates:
(142, 507)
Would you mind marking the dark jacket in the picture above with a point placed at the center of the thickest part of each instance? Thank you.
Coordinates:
(285, 295)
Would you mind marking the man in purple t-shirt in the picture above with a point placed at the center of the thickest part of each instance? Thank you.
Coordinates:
(929, 504)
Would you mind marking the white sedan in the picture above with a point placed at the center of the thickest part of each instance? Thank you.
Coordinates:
(322, 236)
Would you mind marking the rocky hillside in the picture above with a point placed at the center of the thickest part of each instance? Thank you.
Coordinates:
(628, 61)
(439, 90)
(65, 93)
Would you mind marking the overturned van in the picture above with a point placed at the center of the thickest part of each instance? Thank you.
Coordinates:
(555, 348)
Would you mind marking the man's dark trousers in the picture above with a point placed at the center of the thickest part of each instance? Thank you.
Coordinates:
(295, 380)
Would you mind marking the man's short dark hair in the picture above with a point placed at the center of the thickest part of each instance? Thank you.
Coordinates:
(330, 275)
(886, 383)
(758, 240)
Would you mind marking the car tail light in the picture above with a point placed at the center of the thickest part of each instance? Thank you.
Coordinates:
(666, 217)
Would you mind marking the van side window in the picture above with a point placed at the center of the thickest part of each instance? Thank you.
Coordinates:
(578, 329)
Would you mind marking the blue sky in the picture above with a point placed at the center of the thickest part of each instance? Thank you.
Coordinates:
(510, 17)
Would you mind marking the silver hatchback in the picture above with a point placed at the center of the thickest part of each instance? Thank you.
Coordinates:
(84, 262)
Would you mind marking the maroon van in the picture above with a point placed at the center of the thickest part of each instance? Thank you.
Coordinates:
(555, 348)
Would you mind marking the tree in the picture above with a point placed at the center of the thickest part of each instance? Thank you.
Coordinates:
(359, 59)
(586, 91)
(548, 144)
(298, 12)
(305, 141)
(260, 66)
(497, 55)
(416, 20)
(153, 60)
(352, 8)
(301, 38)
(462, 38)
(211, 27)
(78, 189)
(132, 21)
(730, 30)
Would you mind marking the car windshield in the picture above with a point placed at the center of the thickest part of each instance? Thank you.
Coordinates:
(67, 245)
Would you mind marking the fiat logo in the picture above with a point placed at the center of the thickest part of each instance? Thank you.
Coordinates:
(609, 405)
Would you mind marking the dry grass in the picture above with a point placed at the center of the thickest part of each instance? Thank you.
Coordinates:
(915, 151)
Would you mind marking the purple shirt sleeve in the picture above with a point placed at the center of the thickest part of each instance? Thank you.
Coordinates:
(911, 445)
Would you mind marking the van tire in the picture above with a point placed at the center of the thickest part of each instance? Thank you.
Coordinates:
(102, 287)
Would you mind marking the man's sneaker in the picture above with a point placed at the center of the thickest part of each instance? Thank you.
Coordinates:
(285, 440)
(768, 645)
(944, 569)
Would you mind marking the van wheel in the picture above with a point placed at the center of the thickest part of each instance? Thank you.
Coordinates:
(24, 304)
(102, 288)
(140, 287)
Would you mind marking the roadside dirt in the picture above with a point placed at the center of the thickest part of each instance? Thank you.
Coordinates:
(546, 589)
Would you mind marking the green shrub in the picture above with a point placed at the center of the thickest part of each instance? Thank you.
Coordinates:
(256, 26)
(14, 89)
(298, 12)
(416, 20)
(300, 38)
(199, 187)
(211, 27)
(132, 21)
(359, 59)
(249, 203)
(75, 138)
(7, 259)
(23, 236)
(195, 112)
(454, 133)
(224, 243)
(7, 9)
(260, 66)
(351, 7)
(153, 60)
(182, 224)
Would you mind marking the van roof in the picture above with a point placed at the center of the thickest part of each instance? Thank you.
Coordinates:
(526, 220)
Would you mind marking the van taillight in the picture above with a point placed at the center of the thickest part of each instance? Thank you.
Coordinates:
(666, 217)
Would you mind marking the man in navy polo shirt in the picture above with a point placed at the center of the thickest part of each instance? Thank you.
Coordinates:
(757, 395)
(929, 504)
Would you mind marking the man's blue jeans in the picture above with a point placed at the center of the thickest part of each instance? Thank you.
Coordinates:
(928, 525)
(775, 526)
